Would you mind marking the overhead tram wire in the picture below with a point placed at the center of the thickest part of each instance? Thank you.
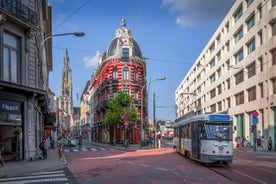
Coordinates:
(74, 12)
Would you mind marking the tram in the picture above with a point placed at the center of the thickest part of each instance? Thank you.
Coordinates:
(206, 138)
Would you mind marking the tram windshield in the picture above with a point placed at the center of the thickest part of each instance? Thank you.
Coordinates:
(219, 131)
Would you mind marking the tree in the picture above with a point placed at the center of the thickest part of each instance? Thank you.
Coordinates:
(117, 107)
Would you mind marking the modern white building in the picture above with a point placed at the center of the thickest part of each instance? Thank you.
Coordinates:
(236, 71)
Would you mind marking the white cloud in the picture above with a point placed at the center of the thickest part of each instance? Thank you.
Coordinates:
(196, 12)
(92, 61)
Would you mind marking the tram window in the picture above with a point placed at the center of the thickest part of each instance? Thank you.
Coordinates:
(219, 131)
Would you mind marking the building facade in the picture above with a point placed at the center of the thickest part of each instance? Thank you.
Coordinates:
(121, 68)
(236, 71)
(25, 63)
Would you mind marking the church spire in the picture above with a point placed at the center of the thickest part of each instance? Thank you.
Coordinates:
(66, 60)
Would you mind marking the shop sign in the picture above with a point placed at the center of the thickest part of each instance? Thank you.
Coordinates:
(10, 113)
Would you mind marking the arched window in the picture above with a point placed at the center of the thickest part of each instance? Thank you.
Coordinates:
(115, 74)
(135, 76)
(125, 73)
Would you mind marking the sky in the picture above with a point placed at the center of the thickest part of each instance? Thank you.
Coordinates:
(171, 35)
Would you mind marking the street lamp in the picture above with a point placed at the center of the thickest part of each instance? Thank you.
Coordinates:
(142, 114)
(78, 34)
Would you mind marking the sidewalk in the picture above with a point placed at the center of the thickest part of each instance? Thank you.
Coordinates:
(13, 168)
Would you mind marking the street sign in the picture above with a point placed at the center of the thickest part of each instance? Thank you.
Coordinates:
(126, 117)
(255, 114)
(255, 121)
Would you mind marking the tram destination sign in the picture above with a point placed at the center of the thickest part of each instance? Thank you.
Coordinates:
(219, 118)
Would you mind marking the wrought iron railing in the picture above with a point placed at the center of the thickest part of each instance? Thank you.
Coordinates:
(19, 10)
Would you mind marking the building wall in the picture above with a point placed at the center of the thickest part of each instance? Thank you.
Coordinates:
(24, 95)
(212, 84)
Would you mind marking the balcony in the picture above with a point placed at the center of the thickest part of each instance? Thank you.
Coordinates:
(19, 10)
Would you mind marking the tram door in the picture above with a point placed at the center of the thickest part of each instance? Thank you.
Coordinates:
(195, 140)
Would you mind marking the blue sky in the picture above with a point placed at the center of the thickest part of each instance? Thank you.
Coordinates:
(170, 33)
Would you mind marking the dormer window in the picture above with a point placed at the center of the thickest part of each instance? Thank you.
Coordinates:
(125, 55)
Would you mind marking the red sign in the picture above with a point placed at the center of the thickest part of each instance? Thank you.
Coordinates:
(255, 114)
(126, 117)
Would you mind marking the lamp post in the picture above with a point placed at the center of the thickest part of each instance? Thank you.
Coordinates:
(78, 34)
(142, 106)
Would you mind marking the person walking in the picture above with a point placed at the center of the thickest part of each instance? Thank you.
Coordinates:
(269, 143)
(59, 145)
(80, 141)
(1, 159)
(43, 147)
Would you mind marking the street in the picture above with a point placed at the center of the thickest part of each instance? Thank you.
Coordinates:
(166, 166)
(97, 163)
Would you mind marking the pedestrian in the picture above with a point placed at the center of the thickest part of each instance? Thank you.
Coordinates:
(269, 144)
(244, 143)
(59, 145)
(80, 141)
(1, 159)
(43, 147)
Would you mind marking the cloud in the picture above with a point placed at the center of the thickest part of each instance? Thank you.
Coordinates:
(191, 13)
(92, 61)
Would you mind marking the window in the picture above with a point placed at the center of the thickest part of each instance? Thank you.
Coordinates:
(227, 27)
(126, 90)
(213, 93)
(251, 94)
(250, 23)
(238, 14)
(261, 63)
(213, 108)
(239, 77)
(219, 73)
(228, 84)
(115, 74)
(238, 35)
(212, 48)
(219, 89)
(249, 2)
(261, 89)
(273, 3)
(11, 66)
(274, 85)
(115, 93)
(239, 98)
(273, 27)
(136, 95)
(251, 70)
(213, 63)
(239, 56)
(260, 34)
(213, 78)
(260, 11)
(251, 46)
(125, 73)
(274, 57)
(135, 76)
(219, 106)
(125, 55)
(228, 102)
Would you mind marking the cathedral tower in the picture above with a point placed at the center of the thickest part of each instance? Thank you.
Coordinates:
(66, 98)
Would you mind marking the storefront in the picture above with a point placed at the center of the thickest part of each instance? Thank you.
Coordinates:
(11, 128)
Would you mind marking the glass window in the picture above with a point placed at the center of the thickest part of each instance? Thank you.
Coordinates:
(238, 14)
(239, 77)
(274, 57)
(251, 94)
(125, 55)
(251, 70)
(261, 88)
(135, 76)
(136, 95)
(11, 58)
(238, 35)
(239, 98)
(239, 56)
(115, 74)
(249, 2)
(126, 90)
(250, 23)
(218, 130)
(273, 27)
(125, 73)
(274, 85)
(251, 46)
(273, 2)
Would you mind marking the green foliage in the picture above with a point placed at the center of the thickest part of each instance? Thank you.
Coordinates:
(119, 106)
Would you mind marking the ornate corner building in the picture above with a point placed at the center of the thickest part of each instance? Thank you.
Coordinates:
(121, 68)
(25, 63)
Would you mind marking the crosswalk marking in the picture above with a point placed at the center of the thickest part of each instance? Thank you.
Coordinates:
(86, 149)
(40, 177)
